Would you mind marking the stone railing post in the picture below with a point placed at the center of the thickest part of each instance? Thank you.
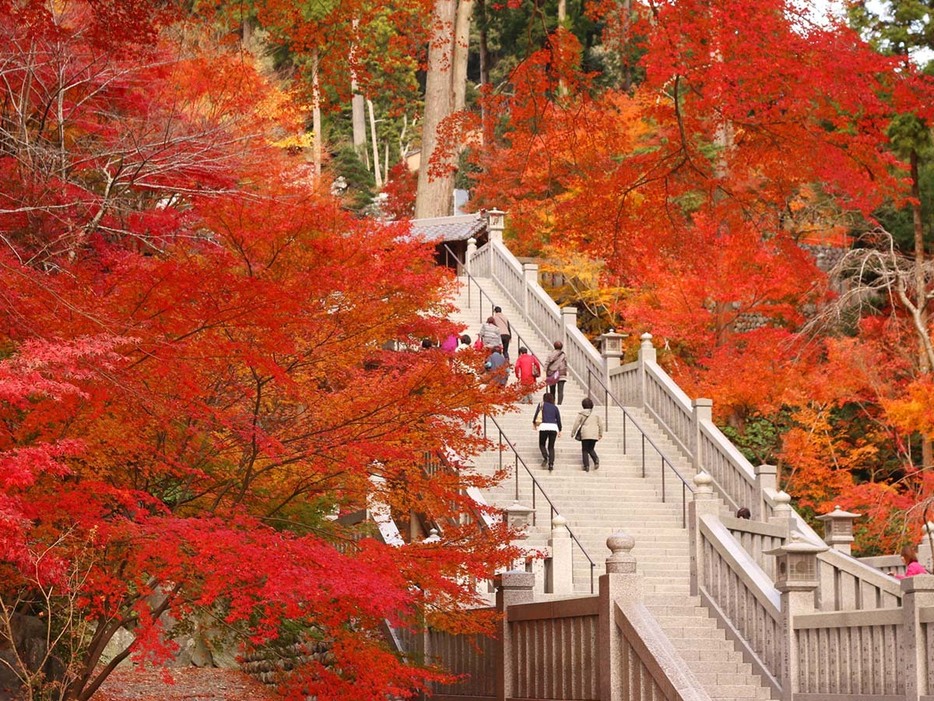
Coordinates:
(512, 588)
(647, 354)
(562, 571)
(705, 502)
(568, 319)
(782, 514)
(917, 593)
(703, 411)
(838, 529)
(530, 273)
(766, 481)
(620, 583)
(925, 552)
(471, 249)
(796, 579)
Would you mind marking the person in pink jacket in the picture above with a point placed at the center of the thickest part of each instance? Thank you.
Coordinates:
(912, 566)
(528, 370)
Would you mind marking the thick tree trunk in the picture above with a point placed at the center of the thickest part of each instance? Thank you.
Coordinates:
(461, 50)
(435, 195)
(484, 51)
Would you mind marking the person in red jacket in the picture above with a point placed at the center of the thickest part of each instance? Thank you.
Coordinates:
(528, 370)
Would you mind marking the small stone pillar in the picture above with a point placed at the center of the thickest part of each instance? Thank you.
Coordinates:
(838, 529)
(568, 320)
(562, 569)
(647, 354)
(512, 588)
(471, 249)
(797, 579)
(619, 584)
(925, 555)
(917, 593)
(766, 481)
(530, 274)
(705, 502)
(703, 411)
(433, 536)
(495, 224)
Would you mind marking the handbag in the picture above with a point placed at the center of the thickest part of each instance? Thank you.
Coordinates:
(577, 433)
(537, 419)
(478, 344)
(553, 378)
(536, 370)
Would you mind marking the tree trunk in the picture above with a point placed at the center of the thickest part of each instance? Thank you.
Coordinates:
(357, 108)
(436, 194)
(562, 20)
(624, 45)
(927, 447)
(461, 50)
(484, 51)
(316, 148)
(378, 176)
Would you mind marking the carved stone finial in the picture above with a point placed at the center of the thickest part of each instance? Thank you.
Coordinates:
(703, 482)
(782, 502)
(621, 561)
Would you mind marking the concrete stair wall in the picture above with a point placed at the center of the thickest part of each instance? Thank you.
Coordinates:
(617, 498)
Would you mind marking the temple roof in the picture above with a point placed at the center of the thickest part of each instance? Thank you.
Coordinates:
(444, 229)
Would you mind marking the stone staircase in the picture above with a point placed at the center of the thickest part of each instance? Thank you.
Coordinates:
(616, 498)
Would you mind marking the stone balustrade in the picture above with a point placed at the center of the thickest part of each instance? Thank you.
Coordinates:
(599, 648)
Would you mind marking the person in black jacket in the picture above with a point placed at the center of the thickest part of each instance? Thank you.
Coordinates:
(548, 421)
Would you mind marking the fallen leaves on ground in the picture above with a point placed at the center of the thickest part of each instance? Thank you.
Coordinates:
(182, 684)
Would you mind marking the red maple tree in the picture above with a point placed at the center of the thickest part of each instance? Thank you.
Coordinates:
(203, 379)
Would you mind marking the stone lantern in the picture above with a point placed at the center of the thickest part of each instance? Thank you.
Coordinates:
(611, 347)
(838, 529)
(517, 516)
(496, 223)
(796, 564)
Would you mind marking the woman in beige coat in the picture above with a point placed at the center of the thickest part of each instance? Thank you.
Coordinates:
(588, 428)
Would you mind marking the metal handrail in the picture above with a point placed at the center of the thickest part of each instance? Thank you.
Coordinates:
(535, 486)
(443, 463)
(685, 487)
(470, 279)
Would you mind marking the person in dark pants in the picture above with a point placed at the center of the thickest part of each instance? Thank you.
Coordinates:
(589, 429)
(556, 369)
(548, 420)
(505, 330)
